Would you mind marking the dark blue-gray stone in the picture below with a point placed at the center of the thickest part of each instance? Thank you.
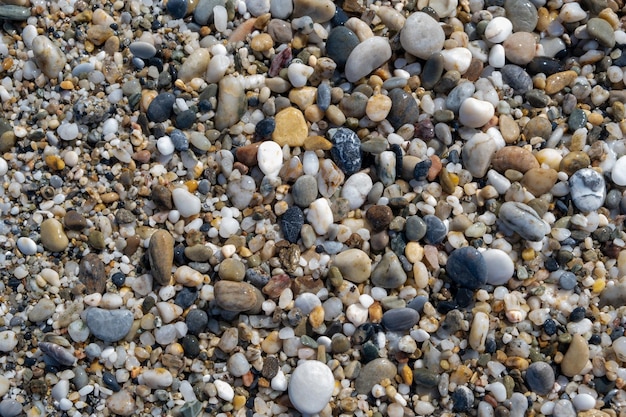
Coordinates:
(186, 297)
(403, 108)
(265, 127)
(517, 78)
(421, 169)
(179, 139)
(191, 346)
(191, 408)
(576, 120)
(425, 377)
(160, 109)
(346, 150)
(458, 94)
(417, 303)
(540, 378)
(544, 65)
(400, 319)
(415, 228)
(433, 68)
(323, 96)
(109, 380)
(436, 230)
(80, 378)
(185, 119)
(291, 223)
(177, 8)
(340, 43)
(61, 355)
(537, 98)
(467, 267)
(196, 321)
(108, 325)
(462, 399)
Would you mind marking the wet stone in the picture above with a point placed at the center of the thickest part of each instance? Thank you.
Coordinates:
(346, 150)
(100, 323)
(523, 220)
(600, 30)
(92, 274)
(415, 228)
(467, 268)
(517, 78)
(403, 110)
(73, 220)
(196, 321)
(379, 217)
(400, 319)
(523, 14)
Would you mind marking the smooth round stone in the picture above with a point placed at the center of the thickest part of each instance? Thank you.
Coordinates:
(52, 235)
(240, 191)
(572, 12)
(356, 189)
(238, 365)
(311, 386)
(235, 296)
(366, 57)
(160, 108)
(291, 223)
(436, 230)
(587, 189)
(49, 58)
(291, 128)
(121, 403)
(540, 378)
(433, 68)
(415, 228)
(404, 109)
(378, 107)
(265, 127)
(458, 95)
(346, 150)
(477, 154)
(520, 47)
(270, 158)
(422, 35)
(186, 203)
(498, 29)
(257, 8)
(400, 319)
(340, 44)
(475, 113)
(177, 8)
(584, 402)
(500, 267)
(8, 340)
(373, 373)
(389, 272)
(568, 280)
(523, 220)
(196, 321)
(379, 217)
(576, 357)
(523, 15)
(517, 78)
(467, 268)
(204, 10)
(304, 190)
(232, 269)
(27, 246)
(98, 320)
(354, 265)
(143, 50)
(298, 74)
(457, 59)
(281, 9)
(601, 30)
(42, 310)
(618, 174)
(576, 119)
(10, 408)
(157, 378)
(539, 181)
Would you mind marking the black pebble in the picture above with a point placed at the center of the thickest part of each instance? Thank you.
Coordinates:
(549, 326)
(109, 380)
(191, 346)
(118, 279)
(577, 314)
(196, 321)
(291, 223)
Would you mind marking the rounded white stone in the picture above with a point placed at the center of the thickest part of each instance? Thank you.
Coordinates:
(572, 12)
(279, 382)
(422, 35)
(457, 59)
(584, 402)
(366, 57)
(165, 145)
(618, 174)
(298, 74)
(217, 68)
(311, 387)
(500, 267)
(224, 390)
(497, 56)
(320, 215)
(188, 276)
(169, 311)
(270, 158)
(475, 113)
(498, 29)
(27, 246)
(357, 314)
(228, 227)
(310, 163)
(156, 378)
(186, 203)
(478, 331)
(356, 189)
(8, 340)
(4, 167)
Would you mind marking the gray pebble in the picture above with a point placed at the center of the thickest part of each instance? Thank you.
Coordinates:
(304, 190)
(109, 325)
(400, 319)
(436, 230)
(415, 228)
(10, 408)
(587, 189)
(388, 273)
(540, 378)
(564, 408)
(523, 220)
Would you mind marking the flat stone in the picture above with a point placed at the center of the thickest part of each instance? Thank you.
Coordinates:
(53, 237)
(514, 157)
(108, 325)
(346, 150)
(467, 268)
(558, 81)
(161, 256)
(538, 127)
(92, 274)
(235, 296)
(404, 109)
(540, 378)
(291, 128)
(121, 403)
(400, 319)
(523, 220)
(373, 373)
(477, 154)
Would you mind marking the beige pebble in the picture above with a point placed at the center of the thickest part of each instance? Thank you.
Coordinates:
(262, 42)
(539, 180)
(291, 128)
(514, 157)
(576, 357)
(354, 265)
(520, 47)
(378, 107)
(53, 237)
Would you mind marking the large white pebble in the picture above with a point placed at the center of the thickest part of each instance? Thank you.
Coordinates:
(356, 189)
(224, 390)
(422, 35)
(572, 12)
(48, 56)
(4, 166)
(270, 158)
(475, 113)
(498, 29)
(618, 174)
(156, 378)
(186, 203)
(500, 267)
(584, 402)
(298, 74)
(366, 57)
(497, 56)
(457, 59)
(320, 215)
(478, 331)
(311, 387)
(8, 340)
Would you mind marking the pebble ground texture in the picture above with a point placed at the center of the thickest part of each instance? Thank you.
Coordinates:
(305, 207)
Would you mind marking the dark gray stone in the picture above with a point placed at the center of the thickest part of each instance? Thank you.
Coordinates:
(540, 378)
(403, 108)
(291, 223)
(346, 150)
(400, 319)
(467, 268)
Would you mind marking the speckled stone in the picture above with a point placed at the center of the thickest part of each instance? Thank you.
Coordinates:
(522, 13)
(517, 78)
(291, 223)
(346, 150)
(92, 274)
(522, 219)
(379, 217)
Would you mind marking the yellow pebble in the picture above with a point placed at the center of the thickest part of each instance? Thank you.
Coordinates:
(598, 285)
(261, 43)
(595, 119)
(67, 85)
(239, 401)
(407, 374)
(528, 254)
(54, 162)
(192, 185)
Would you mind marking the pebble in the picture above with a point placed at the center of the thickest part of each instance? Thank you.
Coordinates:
(10, 408)
(463, 399)
(311, 386)
(48, 56)
(354, 265)
(422, 35)
(160, 108)
(600, 30)
(564, 408)
(523, 220)
(517, 78)
(366, 57)
(415, 228)
(319, 10)
(304, 190)
(436, 230)
(478, 152)
(500, 267)
(576, 357)
(27, 246)
(291, 128)
(587, 189)
(346, 150)
(618, 173)
(161, 256)
(270, 158)
(583, 402)
(42, 310)
(540, 378)
(523, 14)
(235, 296)
(400, 319)
(475, 113)
(231, 102)
(389, 273)
(379, 217)
(121, 403)
(467, 268)
(498, 29)
(53, 237)
(143, 50)
(98, 320)
(156, 378)
(320, 215)
(340, 44)
(291, 223)
(356, 189)
(404, 109)
(373, 373)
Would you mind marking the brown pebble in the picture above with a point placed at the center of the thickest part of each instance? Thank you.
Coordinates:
(132, 243)
(576, 357)
(560, 80)
(509, 128)
(539, 180)
(73, 220)
(514, 157)
(435, 168)
(474, 70)
(162, 197)
(92, 274)
(379, 217)
(520, 47)
(538, 127)
(98, 34)
(276, 285)
(234, 296)
(247, 154)
(315, 143)
(161, 256)
(574, 161)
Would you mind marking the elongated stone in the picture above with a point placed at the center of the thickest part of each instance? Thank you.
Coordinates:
(161, 256)
(48, 56)
(13, 12)
(234, 296)
(523, 220)
(109, 325)
(231, 102)
(366, 57)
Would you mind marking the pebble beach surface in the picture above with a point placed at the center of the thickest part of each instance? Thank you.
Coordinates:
(301, 207)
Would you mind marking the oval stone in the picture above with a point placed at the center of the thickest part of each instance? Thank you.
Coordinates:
(523, 220)
(400, 319)
(234, 296)
(109, 325)
(467, 268)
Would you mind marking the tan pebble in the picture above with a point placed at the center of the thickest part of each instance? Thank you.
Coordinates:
(291, 128)
(112, 45)
(354, 265)
(48, 56)
(316, 317)
(435, 168)
(509, 129)
(67, 85)
(550, 157)
(560, 80)
(595, 413)
(161, 256)
(516, 362)
(414, 252)
(595, 119)
(544, 19)
(121, 403)
(520, 47)
(313, 113)
(55, 162)
(146, 98)
(611, 17)
(431, 254)
(272, 343)
(514, 157)
(242, 31)
(195, 66)
(53, 237)
(576, 357)
(303, 97)
(375, 312)
(315, 143)
(235, 296)
(262, 42)
(574, 161)
(539, 180)
(378, 107)
(98, 34)
(108, 198)
(101, 17)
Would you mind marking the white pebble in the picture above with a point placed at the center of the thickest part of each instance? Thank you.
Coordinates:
(475, 113)
(310, 163)
(320, 215)
(4, 167)
(500, 267)
(279, 382)
(584, 402)
(165, 145)
(298, 74)
(224, 390)
(156, 378)
(498, 29)
(270, 158)
(356, 189)
(457, 59)
(220, 18)
(618, 174)
(228, 227)
(497, 56)
(68, 131)
(311, 387)
(186, 203)
(572, 12)
(27, 246)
